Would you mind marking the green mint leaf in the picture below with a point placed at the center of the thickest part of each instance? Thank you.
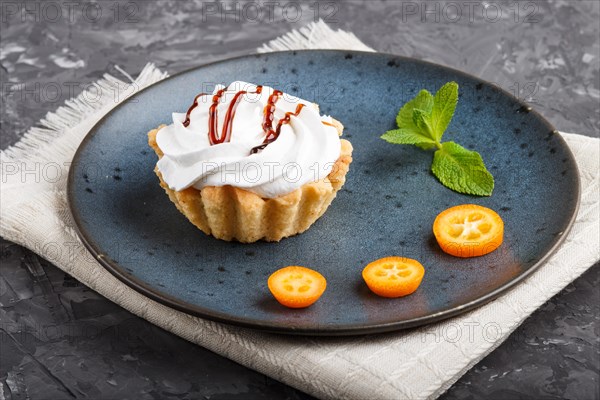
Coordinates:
(462, 170)
(444, 105)
(422, 101)
(422, 121)
(406, 136)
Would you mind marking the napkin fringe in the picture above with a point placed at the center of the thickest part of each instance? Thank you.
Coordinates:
(315, 35)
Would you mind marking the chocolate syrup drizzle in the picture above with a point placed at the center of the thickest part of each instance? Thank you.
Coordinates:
(187, 121)
(272, 135)
(268, 116)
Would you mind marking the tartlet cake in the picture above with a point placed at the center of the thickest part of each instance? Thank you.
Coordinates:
(230, 208)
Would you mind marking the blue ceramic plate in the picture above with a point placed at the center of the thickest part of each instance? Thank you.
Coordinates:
(387, 206)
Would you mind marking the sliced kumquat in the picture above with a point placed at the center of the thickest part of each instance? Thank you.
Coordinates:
(296, 287)
(468, 230)
(393, 276)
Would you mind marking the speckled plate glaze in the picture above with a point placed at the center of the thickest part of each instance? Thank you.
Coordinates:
(387, 206)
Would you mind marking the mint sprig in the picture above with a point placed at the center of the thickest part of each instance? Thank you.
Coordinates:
(422, 122)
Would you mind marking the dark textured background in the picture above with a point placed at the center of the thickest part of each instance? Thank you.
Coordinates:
(60, 340)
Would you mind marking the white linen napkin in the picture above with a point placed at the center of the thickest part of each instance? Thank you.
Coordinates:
(415, 364)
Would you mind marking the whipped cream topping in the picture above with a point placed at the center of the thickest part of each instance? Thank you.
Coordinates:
(250, 157)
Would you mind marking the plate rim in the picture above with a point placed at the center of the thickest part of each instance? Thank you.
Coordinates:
(347, 330)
